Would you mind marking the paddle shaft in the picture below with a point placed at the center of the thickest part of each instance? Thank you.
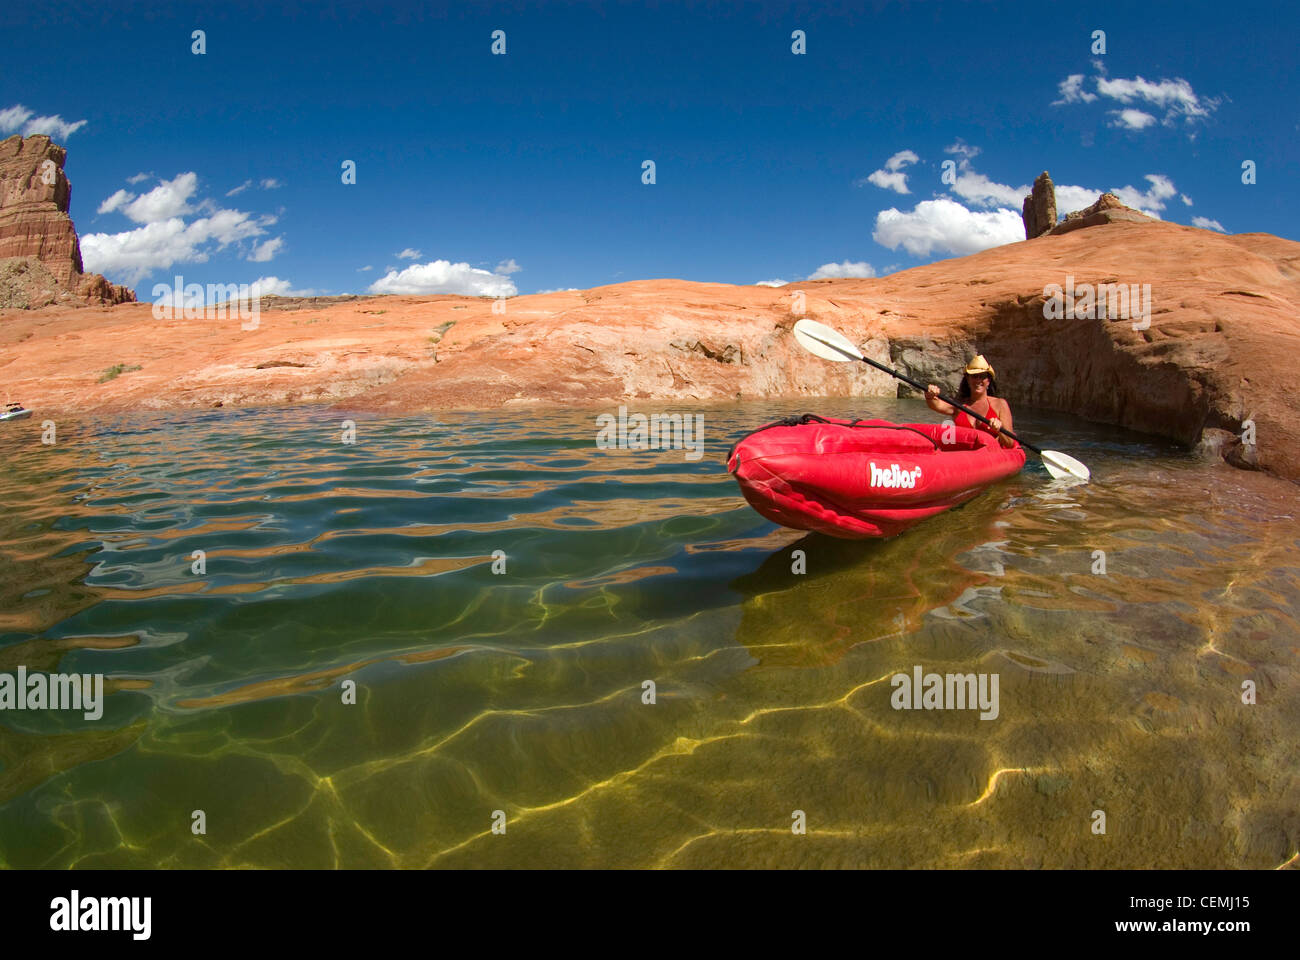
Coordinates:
(967, 410)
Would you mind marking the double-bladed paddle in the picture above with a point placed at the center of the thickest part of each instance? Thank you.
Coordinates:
(819, 339)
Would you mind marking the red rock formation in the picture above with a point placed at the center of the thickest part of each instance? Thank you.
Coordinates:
(1217, 350)
(34, 226)
(34, 198)
(1108, 209)
(1039, 209)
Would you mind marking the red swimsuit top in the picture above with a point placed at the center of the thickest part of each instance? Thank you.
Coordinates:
(964, 420)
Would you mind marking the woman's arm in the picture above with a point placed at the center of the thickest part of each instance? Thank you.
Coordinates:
(934, 403)
(1004, 423)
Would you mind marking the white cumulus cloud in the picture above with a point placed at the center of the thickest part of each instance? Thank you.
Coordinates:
(1175, 97)
(275, 287)
(409, 254)
(980, 190)
(265, 251)
(171, 198)
(1070, 198)
(962, 149)
(443, 276)
(976, 187)
(1130, 119)
(955, 224)
(116, 201)
(771, 283)
(1205, 223)
(18, 119)
(1071, 90)
(560, 290)
(840, 270)
(891, 176)
(165, 237)
(267, 184)
(507, 267)
(136, 253)
(889, 181)
(947, 226)
(1152, 200)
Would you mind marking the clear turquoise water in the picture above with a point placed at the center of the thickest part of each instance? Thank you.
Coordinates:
(521, 691)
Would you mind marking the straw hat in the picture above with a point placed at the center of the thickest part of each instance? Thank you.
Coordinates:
(979, 365)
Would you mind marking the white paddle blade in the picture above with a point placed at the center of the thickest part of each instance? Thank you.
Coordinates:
(1059, 465)
(819, 339)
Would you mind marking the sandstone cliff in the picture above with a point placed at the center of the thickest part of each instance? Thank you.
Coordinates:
(1215, 353)
(40, 257)
(1108, 209)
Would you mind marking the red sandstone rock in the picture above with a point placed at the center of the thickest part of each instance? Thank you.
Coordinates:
(34, 197)
(1108, 209)
(1218, 350)
(34, 225)
(93, 288)
(1039, 209)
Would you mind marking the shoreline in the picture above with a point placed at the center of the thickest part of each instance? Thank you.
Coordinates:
(1205, 366)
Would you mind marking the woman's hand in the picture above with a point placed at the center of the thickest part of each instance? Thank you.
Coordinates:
(995, 425)
(936, 403)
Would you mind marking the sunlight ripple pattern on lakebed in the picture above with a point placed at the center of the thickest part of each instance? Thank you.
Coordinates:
(521, 691)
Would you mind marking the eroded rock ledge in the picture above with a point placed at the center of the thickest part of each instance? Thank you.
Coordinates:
(40, 255)
(1215, 351)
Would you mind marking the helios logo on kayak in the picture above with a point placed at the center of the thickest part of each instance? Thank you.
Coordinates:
(894, 476)
(658, 431)
(1104, 301)
(949, 691)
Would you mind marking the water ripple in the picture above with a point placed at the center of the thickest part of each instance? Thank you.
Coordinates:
(503, 595)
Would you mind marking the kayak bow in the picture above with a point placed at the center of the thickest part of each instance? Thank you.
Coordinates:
(856, 479)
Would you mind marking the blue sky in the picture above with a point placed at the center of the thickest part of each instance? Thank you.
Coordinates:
(523, 172)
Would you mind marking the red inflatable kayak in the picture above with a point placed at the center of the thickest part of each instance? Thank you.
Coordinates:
(864, 478)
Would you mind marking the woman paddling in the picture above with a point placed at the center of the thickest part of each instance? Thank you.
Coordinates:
(979, 392)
